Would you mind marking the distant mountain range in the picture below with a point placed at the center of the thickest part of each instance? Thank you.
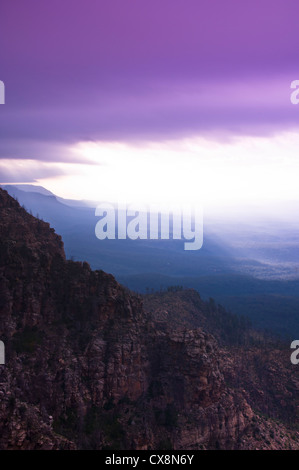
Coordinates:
(250, 269)
(90, 365)
(76, 222)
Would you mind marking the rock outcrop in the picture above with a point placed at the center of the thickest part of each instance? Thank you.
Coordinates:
(88, 367)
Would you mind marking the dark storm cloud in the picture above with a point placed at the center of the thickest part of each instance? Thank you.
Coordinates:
(120, 71)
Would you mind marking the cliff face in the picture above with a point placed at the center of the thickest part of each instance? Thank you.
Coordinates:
(88, 367)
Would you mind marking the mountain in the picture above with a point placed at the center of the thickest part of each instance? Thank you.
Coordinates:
(253, 361)
(221, 269)
(88, 366)
(121, 257)
(269, 304)
(29, 188)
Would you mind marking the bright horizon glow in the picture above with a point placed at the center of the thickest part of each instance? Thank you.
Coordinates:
(195, 170)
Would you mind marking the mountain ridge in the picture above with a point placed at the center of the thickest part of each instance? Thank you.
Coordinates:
(88, 367)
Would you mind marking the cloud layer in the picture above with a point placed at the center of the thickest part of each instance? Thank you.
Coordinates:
(140, 71)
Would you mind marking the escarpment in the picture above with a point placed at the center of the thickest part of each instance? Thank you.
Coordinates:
(89, 367)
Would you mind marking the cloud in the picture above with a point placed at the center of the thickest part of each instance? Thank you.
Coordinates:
(167, 110)
(192, 170)
(19, 171)
(46, 151)
(150, 71)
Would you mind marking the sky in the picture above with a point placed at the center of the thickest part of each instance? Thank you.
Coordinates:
(163, 100)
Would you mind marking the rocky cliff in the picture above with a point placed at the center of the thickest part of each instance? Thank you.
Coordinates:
(89, 367)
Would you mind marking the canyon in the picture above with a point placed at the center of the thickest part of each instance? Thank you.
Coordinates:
(92, 365)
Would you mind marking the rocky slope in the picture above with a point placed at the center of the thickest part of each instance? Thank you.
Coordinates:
(253, 363)
(88, 367)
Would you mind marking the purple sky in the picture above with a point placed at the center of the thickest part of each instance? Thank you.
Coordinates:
(140, 70)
